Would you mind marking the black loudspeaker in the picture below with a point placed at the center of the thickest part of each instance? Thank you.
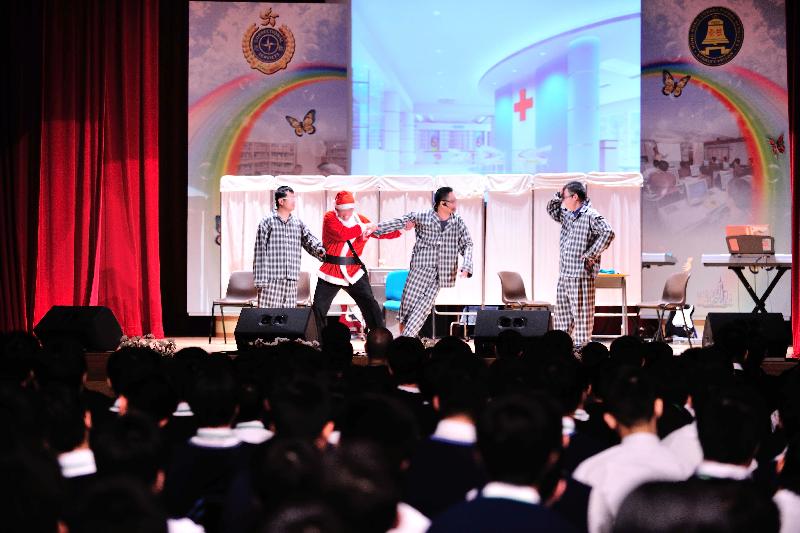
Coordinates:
(95, 327)
(268, 324)
(490, 322)
(770, 326)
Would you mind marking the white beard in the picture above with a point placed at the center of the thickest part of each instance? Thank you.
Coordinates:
(354, 220)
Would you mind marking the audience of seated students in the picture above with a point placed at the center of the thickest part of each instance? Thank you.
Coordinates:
(289, 437)
(519, 438)
(632, 409)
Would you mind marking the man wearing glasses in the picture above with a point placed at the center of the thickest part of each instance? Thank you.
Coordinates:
(442, 236)
(585, 234)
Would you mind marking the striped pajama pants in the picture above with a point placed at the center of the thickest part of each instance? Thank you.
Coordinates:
(575, 308)
(419, 294)
(278, 293)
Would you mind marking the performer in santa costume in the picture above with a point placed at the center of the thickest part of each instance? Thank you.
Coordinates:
(344, 234)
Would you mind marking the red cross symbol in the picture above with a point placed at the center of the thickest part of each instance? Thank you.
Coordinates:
(523, 105)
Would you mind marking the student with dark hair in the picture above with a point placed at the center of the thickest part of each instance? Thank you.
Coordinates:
(446, 466)
(706, 373)
(442, 236)
(67, 422)
(276, 258)
(31, 490)
(389, 425)
(632, 409)
(730, 429)
(152, 395)
(64, 362)
(406, 356)
(359, 485)
(374, 377)
(18, 355)
(303, 518)
(250, 426)
(787, 498)
(519, 439)
(672, 386)
(202, 470)
(694, 506)
(301, 408)
(585, 234)
(118, 505)
(127, 366)
(510, 344)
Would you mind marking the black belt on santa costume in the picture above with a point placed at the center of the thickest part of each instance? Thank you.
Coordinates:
(339, 260)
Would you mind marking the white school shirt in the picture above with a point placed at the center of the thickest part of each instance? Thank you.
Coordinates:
(77, 463)
(685, 443)
(616, 472)
(788, 503)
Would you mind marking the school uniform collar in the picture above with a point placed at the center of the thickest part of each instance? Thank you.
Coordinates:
(215, 438)
(183, 409)
(77, 463)
(715, 470)
(507, 491)
(413, 389)
(455, 431)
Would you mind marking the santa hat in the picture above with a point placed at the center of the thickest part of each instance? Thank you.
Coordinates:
(345, 200)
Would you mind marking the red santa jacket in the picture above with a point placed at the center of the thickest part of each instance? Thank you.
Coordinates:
(334, 237)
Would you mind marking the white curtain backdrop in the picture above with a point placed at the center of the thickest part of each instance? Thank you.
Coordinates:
(519, 234)
(400, 195)
(618, 197)
(245, 200)
(546, 233)
(509, 232)
(469, 190)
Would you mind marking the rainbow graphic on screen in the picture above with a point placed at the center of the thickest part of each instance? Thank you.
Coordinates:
(220, 122)
(759, 107)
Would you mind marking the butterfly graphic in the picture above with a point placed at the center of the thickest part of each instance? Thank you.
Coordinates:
(670, 86)
(306, 126)
(777, 145)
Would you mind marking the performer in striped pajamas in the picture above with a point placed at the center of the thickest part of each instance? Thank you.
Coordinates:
(442, 236)
(585, 234)
(276, 259)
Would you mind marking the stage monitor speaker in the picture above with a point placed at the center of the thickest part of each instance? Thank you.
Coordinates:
(490, 322)
(268, 324)
(95, 327)
(770, 326)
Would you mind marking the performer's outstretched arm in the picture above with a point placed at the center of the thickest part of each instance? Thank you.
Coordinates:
(395, 224)
(554, 208)
(603, 235)
(311, 244)
(465, 248)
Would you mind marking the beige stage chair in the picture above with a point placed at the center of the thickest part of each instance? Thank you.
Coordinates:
(241, 292)
(514, 295)
(673, 298)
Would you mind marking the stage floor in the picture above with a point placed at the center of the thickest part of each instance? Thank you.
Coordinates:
(218, 345)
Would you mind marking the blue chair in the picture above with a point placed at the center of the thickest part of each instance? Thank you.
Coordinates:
(395, 282)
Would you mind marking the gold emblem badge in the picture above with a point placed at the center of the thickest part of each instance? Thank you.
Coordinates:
(265, 48)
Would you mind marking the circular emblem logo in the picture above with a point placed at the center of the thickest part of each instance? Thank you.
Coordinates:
(267, 48)
(715, 36)
(268, 45)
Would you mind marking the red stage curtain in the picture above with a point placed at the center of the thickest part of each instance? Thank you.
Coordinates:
(793, 76)
(21, 96)
(98, 203)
